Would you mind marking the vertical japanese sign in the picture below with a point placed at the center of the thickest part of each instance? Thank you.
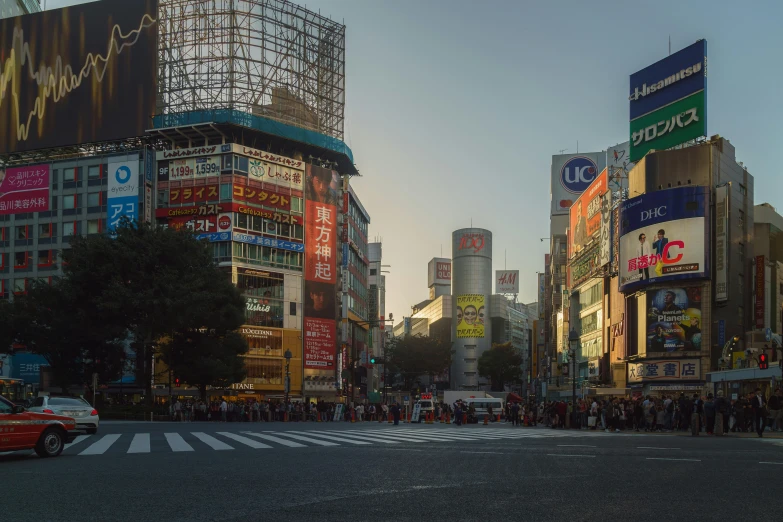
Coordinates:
(722, 244)
(24, 189)
(758, 308)
(320, 270)
(123, 196)
(606, 228)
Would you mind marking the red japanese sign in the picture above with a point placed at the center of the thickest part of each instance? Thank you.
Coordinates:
(24, 189)
(321, 230)
(202, 224)
(267, 198)
(217, 208)
(319, 343)
(194, 194)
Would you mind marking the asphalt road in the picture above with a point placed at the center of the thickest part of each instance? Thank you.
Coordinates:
(371, 471)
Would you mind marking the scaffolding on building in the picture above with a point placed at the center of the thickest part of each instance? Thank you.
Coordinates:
(267, 58)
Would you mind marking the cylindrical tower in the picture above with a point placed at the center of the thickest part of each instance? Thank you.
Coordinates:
(471, 288)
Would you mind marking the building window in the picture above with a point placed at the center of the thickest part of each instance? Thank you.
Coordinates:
(94, 226)
(69, 228)
(44, 258)
(94, 199)
(22, 232)
(264, 371)
(741, 215)
(373, 271)
(226, 193)
(743, 189)
(45, 231)
(70, 202)
(70, 174)
(94, 172)
(296, 205)
(2, 261)
(20, 286)
(21, 259)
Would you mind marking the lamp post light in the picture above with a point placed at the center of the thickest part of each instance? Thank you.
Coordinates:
(287, 356)
(573, 341)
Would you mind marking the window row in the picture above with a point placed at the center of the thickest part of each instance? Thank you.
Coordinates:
(19, 285)
(270, 285)
(358, 217)
(269, 227)
(75, 174)
(26, 259)
(257, 255)
(49, 230)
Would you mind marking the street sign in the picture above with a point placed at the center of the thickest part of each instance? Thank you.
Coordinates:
(406, 400)
(338, 413)
(416, 412)
(768, 334)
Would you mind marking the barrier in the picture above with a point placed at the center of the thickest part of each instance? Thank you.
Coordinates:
(486, 420)
(389, 416)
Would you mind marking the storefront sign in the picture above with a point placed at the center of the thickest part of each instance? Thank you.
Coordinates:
(187, 153)
(201, 210)
(208, 224)
(123, 192)
(260, 333)
(584, 266)
(268, 242)
(258, 196)
(194, 194)
(243, 386)
(253, 304)
(665, 370)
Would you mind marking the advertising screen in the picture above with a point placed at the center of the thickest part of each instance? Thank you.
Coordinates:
(470, 316)
(664, 236)
(585, 214)
(571, 175)
(674, 320)
(80, 74)
(320, 269)
(24, 189)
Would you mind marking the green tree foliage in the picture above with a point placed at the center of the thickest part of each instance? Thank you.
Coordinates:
(415, 355)
(502, 364)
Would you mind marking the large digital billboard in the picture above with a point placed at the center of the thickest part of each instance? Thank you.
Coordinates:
(571, 175)
(80, 74)
(470, 316)
(674, 320)
(664, 236)
(585, 214)
(668, 101)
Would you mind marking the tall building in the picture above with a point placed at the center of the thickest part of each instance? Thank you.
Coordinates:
(12, 8)
(768, 244)
(376, 317)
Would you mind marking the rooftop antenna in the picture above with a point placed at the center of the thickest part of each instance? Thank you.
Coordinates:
(471, 222)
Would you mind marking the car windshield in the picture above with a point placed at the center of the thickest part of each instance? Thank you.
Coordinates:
(5, 405)
(426, 404)
(67, 401)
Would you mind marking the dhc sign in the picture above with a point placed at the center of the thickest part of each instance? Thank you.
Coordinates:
(577, 174)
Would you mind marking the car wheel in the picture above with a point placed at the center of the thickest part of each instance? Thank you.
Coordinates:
(50, 444)
(92, 431)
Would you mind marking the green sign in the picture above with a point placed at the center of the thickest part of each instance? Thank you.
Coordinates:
(669, 126)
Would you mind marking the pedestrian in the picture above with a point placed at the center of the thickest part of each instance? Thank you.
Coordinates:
(759, 405)
(395, 411)
(721, 418)
(709, 415)
(223, 410)
(698, 409)
(775, 406)
(668, 416)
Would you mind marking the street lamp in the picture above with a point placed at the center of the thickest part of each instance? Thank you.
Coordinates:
(573, 341)
(287, 356)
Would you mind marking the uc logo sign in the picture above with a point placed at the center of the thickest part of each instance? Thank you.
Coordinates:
(123, 175)
(577, 174)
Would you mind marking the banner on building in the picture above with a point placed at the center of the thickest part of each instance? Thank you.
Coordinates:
(585, 215)
(24, 189)
(506, 281)
(758, 307)
(570, 176)
(123, 192)
(665, 370)
(674, 320)
(722, 244)
(664, 236)
(210, 224)
(320, 269)
(470, 316)
(606, 229)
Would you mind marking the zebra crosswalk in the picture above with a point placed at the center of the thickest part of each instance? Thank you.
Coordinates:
(200, 441)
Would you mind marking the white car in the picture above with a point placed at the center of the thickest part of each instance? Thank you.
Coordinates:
(86, 416)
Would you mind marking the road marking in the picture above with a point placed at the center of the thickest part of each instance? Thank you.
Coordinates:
(76, 441)
(655, 448)
(289, 443)
(211, 441)
(484, 452)
(575, 446)
(561, 455)
(140, 443)
(679, 460)
(331, 437)
(100, 447)
(308, 439)
(374, 438)
(776, 463)
(177, 443)
(244, 440)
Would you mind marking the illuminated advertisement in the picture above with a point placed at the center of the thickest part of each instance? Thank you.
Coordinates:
(258, 196)
(24, 189)
(470, 316)
(663, 237)
(79, 74)
(123, 193)
(585, 214)
(674, 320)
(320, 327)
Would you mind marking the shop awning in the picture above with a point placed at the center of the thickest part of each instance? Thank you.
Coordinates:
(744, 374)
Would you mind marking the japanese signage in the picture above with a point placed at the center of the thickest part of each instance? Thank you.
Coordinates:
(615, 255)
(320, 270)
(252, 239)
(667, 101)
(210, 209)
(24, 189)
(571, 175)
(758, 307)
(506, 281)
(272, 168)
(674, 320)
(191, 168)
(722, 244)
(194, 194)
(439, 272)
(470, 316)
(666, 370)
(664, 236)
(188, 153)
(605, 235)
(585, 215)
(202, 224)
(258, 196)
(27, 367)
(583, 266)
(123, 194)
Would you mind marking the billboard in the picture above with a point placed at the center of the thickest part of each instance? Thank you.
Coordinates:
(605, 235)
(506, 281)
(80, 74)
(439, 271)
(664, 237)
(257, 196)
(571, 175)
(203, 224)
(123, 194)
(24, 189)
(320, 269)
(674, 320)
(585, 214)
(758, 305)
(722, 244)
(470, 316)
(618, 163)
(665, 370)
(668, 101)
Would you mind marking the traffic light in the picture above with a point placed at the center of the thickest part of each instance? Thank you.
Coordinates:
(176, 382)
(763, 363)
(377, 360)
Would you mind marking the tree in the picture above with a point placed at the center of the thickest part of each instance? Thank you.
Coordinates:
(415, 355)
(501, 364)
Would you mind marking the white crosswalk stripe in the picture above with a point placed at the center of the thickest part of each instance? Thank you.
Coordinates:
(244, 440)
(100, 446)
(270, 438)
(211, 441)
(177, 443)
(307, 439)
(140, 443)
(77, 440)
(341, 438)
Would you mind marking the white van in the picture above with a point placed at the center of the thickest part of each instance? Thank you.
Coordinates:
(481, 405)
(427, 407)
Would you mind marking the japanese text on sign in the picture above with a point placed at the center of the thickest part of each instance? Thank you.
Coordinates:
(678, 369)
(24, 189)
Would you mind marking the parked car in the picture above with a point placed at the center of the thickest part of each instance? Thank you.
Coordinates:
(86, 416)
(21, 429)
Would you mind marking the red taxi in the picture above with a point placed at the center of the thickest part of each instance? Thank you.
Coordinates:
(45, 433)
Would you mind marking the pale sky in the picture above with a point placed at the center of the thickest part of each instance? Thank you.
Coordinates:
(454, 109)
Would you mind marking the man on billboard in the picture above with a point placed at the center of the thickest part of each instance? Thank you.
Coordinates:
(669, 304)
(659, 247)
(320, 300)
(481, 315)
(643, 252)
(470, 315)
(580, 231)
(459, 315)
(320, 189)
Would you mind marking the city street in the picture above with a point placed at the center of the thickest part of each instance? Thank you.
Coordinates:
(325, 471)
